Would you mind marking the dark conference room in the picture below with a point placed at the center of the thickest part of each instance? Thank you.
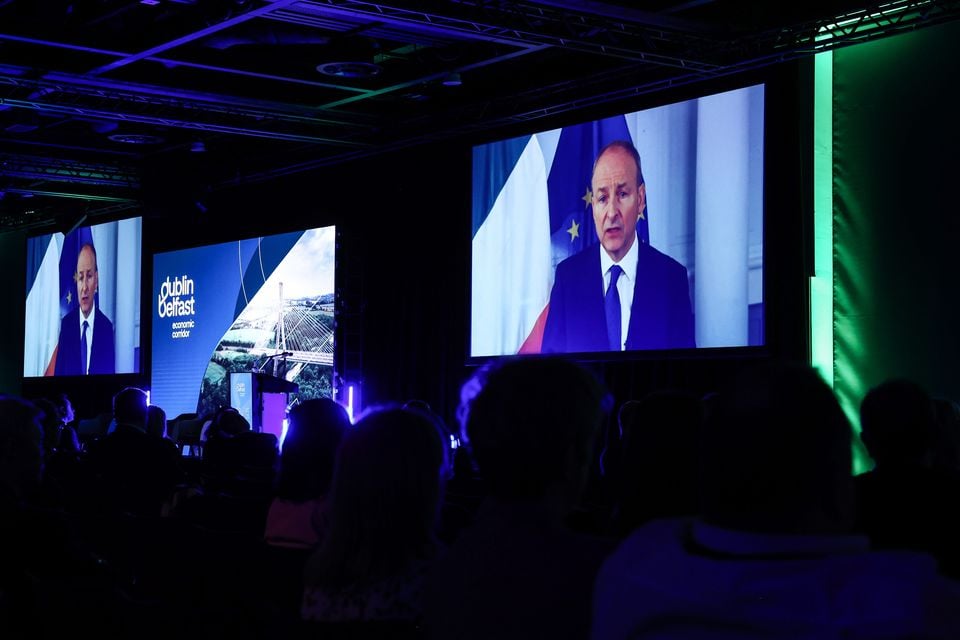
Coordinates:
(337, 319)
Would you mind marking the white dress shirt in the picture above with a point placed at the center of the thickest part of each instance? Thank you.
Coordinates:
(625, 284)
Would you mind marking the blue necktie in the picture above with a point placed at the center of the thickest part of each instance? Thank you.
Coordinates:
(83, 349)
(611, 304)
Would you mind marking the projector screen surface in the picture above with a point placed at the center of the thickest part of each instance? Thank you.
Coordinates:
(686, 231)
(83, 301)
(262, 304)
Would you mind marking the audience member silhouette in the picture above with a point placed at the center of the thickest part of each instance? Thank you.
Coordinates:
(418, 405)
(603, 484)
(517, 571)
(21, 466)
(60, 465)
(50, 424)
(136, 473)
(232, 494)
(610, 457)
(156, 422)
(58, 435)
(384, 502)
(904, 502)
(463, 489)
(659, 459)
(297, 513)
(69, 440)
(226, 422)
(38, 554)
(772, 556)
(21, 451)
(946, 453)
(450, 441)
(237, 459)
(897, 423)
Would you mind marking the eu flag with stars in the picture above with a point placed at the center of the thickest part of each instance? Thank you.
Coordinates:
(568, 185)
(68, 268)
(531, 210)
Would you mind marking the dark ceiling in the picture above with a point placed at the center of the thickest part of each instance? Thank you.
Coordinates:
(98, 96)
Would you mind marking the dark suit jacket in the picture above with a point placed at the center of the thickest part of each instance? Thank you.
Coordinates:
(68, 347)
(660, 317)
(133, 472)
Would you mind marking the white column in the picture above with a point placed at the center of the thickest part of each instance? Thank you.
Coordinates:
(126, 319)
(721, 220)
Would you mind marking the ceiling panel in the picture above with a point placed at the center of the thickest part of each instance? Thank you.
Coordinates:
(98, 97)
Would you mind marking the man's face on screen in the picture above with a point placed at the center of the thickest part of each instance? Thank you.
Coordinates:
(617, 201)
(86, 279)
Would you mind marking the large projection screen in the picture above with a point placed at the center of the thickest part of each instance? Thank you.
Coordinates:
(702, 164)
(262, 304)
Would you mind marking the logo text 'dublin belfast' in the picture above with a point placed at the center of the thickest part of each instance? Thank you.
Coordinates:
(173, 301)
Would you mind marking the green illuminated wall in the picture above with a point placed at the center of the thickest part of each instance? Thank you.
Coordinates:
(887, 219)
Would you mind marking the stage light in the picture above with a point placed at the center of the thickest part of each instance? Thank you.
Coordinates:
(350, 402)
(452, 80)
(350, 69)
(348, 395)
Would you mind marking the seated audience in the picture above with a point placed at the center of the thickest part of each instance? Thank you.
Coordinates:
(134, 472)
(50, 424)
(234, 487)
(41, 561)
(517, 571)
(905, 502)
(69, 441)
(21, 468)
(772, 555)
(297, 513)
(60, 464)
(659, 459)
(946, 453)
(462, 490)
(21, 451)
(234, 457)
(369, 568)
(156, 422)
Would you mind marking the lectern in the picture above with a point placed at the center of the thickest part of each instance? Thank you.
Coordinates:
(262, 399)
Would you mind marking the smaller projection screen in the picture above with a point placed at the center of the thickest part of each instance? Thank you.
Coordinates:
(685, 233)
(83, 301)
(262, 305)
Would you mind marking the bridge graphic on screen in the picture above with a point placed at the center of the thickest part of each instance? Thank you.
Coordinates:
(299, 335)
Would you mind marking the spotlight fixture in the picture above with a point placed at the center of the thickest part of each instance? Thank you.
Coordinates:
(452, 80)
(135, 138)
(354, 69)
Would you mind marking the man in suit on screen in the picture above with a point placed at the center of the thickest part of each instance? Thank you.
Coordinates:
(86, 334)
(648, 304)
